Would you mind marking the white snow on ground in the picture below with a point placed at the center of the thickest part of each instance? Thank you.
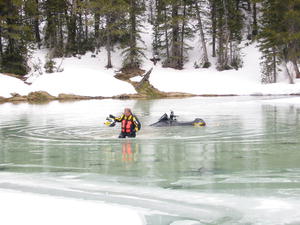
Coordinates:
(88, 75)
(10, 85)
(85, 76)
(294, 100)
(245, 81)
(35, 209)
(185, 222)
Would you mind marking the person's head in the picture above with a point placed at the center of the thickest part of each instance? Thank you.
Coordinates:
(127, 112)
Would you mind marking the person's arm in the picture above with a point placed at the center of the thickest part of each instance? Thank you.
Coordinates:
(136, 123)
(117, 119)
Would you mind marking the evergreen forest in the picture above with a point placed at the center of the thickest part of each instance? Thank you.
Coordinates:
(69, 28)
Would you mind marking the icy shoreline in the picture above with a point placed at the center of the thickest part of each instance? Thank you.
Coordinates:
(14, 90)
(36, 209)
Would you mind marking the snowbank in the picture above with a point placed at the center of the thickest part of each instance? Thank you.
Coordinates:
(214, 82)
(82, 81)
(89, 77)
(294, 100)
(10, 85)
(24, 208)
(245, 81)
(86, 76)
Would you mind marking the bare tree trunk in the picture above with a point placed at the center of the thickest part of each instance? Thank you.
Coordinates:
(214, 28)
(227, 34)
(108, 49)
(230, 52)
(36, 25)
(151, 19)
(221, 49)
(285, 54)
(71, 42)
(255, 26)
(108, 41)
(156, 24)
(80, 35)
(97, 28)
(61, 33)
(182, 35)
(205, 55)
(166, 35)
(1, 46)
(291, 80)
(274, 66)
(175, 49)
(133, 41)
(296, 68)
(10, 21)
(294, 46)
(86, 21)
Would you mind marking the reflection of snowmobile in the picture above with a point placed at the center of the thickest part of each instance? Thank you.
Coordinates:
(165, 120)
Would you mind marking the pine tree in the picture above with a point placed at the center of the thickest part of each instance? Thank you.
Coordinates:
(205, 62)
(279, 37)
(113, 13)
(95, 9)
(235, 23)
(16, 35)
(171, 29)
(254, 17)
(56, 19)
(157, 20)
(292, 37)
(213, 12)
(175, 50)
(32, 14)
(226, 28)
(161, 29)
(1, 29)
(133, 54)
(72, 19)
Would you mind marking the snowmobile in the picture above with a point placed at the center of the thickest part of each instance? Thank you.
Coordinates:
(171, 120)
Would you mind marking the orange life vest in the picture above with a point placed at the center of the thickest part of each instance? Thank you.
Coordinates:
(127, 124)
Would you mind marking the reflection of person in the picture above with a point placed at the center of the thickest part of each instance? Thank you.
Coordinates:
(126, 151)
(130, 124)
(129, 151)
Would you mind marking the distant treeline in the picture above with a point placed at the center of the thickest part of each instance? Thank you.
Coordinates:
(72, 27)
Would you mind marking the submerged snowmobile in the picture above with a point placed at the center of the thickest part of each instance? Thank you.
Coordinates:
(171, 120)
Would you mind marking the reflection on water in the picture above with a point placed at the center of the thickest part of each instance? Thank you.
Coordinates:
(130, 151)
(245, 161)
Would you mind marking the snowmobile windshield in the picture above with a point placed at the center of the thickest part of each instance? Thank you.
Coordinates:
(163, 118)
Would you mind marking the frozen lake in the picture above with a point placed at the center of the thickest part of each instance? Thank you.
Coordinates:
(243, 168)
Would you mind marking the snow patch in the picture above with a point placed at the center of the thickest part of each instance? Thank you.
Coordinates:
(34, 209)
(294, 100)
(185, 222)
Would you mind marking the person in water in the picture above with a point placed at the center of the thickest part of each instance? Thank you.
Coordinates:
(130, 124)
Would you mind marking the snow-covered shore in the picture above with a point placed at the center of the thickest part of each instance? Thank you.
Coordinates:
(88, 76)
(88, 83)
(35, 209)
